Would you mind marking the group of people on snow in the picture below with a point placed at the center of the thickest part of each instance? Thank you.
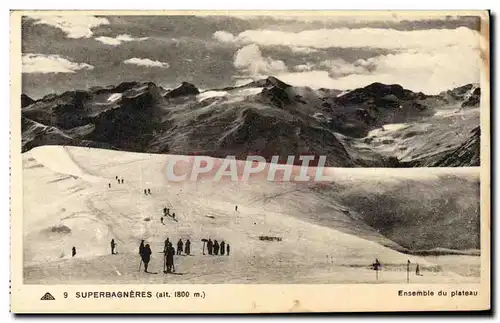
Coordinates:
(166, 212)
(216, 248)
(119, 180)
(147, 191)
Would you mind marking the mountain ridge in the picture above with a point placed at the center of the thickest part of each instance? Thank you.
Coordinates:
(266, 117)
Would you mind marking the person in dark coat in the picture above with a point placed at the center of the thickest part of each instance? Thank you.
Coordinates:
(116, 177)
(236, 208)
(222, 248)
(145, 192)
(173, 215)
(228, 249)
(164, 210)
(149, 191)
(141, 247)
(122, 180)
(187, 248)
(180, 245)
(146, 257)
(73, 252)
(170, 258)
(113, 245)
(109, 185)
(210, 246)
(161, 219)
(216, 247)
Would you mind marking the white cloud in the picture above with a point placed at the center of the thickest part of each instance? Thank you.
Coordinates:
(304, 67)
(75, 26)
(118, 39)
(422, 60)
(250, 60)
(146, 62)
(428, 71)
(223, 36)
(362, 38)
(41, 63)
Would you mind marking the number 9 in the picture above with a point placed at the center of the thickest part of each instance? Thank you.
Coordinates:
(65, 295)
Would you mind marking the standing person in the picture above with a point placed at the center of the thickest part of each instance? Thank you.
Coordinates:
(187, 248)
(228, 249)
(149, 191)
(141, 247)
(141, 251)
(145, 192)
(161, 219)
(210, 245)
(180, 245)
(113, 245)
(173, 215)
(146, 257)
(116, 177)
(109, 185)
(122, 180)
(168, 211)
(73, 252)
(170, 257)
(236, 208)
(216, 247)
(417, 270)
(164, 210)
(222, 248)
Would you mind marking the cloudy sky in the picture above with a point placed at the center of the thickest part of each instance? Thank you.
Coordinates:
(422, 53)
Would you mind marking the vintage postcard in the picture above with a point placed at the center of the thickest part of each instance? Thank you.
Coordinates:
(249, 162)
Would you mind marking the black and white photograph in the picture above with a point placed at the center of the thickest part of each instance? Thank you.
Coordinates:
(252, 148)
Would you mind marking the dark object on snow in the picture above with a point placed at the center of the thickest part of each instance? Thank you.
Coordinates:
(216, 247)
(161, 219)
(417, 270)
(164, 210)
(180, 246)
(109, 185)
(116, 177)
(210, 246)
(145, 192)
(204, 241)
(170, 258)
(228, 249)
(113, 245)
(146, 257)
(236, 208)
(149, 191)
(187, 247)
(173, 216)
(141, 247)
(73, 252)
(222, 248)
(122, 180)
(268, 238)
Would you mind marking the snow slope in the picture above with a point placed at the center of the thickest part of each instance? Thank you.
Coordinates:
(67, 202)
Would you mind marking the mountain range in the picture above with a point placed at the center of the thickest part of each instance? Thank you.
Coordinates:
(380, 125)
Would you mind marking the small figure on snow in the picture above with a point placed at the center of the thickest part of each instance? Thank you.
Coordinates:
(73, 252)
(180, 245)
(146, 257)
(187, 247)
(222, 248)
(113, 246)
